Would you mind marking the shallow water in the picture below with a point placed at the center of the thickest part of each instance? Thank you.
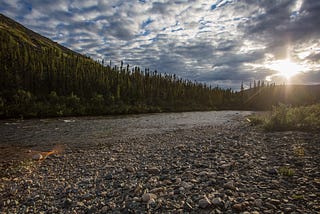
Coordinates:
(87, 130)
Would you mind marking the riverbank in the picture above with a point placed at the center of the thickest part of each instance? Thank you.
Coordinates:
(225, 168)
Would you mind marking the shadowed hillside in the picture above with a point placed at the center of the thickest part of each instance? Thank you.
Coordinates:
(41, 78)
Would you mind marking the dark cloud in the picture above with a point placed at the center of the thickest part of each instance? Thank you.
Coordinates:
(280, 26)
(119, 30)
(159, 7)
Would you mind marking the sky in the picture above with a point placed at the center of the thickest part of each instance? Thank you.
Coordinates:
(220, 42)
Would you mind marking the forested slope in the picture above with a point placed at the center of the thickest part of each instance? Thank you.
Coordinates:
(41, 78)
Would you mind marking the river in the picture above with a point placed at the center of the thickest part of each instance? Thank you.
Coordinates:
(86, 130)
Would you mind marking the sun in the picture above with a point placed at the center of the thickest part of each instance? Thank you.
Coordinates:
(286, 68)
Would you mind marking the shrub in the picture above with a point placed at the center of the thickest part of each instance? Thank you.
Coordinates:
(283, 117)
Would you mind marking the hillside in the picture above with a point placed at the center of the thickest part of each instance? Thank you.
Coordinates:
(27, 36)
(40, 78)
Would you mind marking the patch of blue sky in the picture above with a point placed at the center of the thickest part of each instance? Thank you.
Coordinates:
(145, 33)
(175, 30)
(222, 3)
(146, 23)
(201, 27)
(28, 6)
(155, 39)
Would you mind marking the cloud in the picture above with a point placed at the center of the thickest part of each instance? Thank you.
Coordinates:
(222, 42)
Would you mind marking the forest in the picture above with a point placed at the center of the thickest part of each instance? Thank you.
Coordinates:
(40, 78)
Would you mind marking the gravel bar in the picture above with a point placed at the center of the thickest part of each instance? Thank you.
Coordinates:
(229, 168)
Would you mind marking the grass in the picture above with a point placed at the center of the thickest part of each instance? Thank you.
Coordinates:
(285, 118)
(286, 171)
(297, 197)
(299, 151)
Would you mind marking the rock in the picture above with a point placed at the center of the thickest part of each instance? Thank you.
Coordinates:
(181, 189)
(104, 193)
(272, 171)
(186, 185)
(138, 189)
(270, 206)
(153, 170)
(203, 173)
(136, 199)
(112, 205)
(217, 202)
(204, 202)
(130, 169)
(67, 203)
(148, 196)
(238, 207)
(104, 209)
(157, 190)
(258, 203)
(108, 176)
(178, 180)
(80, 204)
(229, 192)
(37, 157)
(229, 185)
(187, 207)
(275, 201)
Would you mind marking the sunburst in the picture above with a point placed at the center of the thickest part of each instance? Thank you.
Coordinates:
(285, 68)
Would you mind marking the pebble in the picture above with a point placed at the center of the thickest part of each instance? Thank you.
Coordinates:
(217, 202)
(148, 196)
(238, 207)
(37, 157)
(258, 202)
(204, 202)
(230, 185)
(153, 170)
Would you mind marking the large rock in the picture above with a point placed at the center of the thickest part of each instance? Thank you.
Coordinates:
(229, 185)
(153, 170)
(204, 202)
(148, 196)
(217, 202)
(37, 156)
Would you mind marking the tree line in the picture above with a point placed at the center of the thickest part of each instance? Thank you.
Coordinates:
(42, 81)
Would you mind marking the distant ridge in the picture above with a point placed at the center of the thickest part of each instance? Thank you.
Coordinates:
(263, 98)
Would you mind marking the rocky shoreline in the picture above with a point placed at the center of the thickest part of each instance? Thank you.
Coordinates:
(232, 168)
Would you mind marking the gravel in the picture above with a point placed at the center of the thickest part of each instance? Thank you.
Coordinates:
(231, 168)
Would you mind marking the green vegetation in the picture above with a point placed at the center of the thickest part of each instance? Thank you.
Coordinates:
(40, 78)
(284, 117)
(286, 171)
(299, 151)
(297, 197)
